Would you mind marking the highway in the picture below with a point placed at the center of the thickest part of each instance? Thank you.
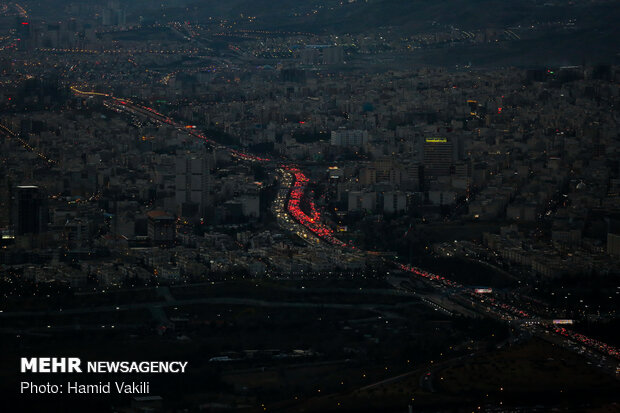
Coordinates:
(12, 135)
(605, 355)
(311, 229)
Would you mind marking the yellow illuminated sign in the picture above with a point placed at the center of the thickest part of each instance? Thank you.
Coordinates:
(436, 140)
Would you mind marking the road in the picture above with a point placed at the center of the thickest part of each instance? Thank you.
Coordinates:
(311, 228)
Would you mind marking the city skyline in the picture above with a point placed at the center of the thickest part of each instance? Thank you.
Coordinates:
(378, 206)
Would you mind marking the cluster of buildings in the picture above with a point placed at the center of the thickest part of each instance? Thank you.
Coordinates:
(503, 146)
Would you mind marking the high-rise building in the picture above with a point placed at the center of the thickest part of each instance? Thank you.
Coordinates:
(193, 181)
(161, 228)
(438, 157)
(29, 210)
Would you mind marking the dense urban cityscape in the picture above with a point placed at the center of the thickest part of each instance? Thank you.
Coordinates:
(361, 206)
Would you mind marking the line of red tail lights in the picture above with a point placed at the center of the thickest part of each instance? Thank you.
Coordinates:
(599, 345)
(439, 279)
(445, 282)
(313, 221)
(504, 308)
(190, 130)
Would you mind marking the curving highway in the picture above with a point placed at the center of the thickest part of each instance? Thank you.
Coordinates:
(310, 228)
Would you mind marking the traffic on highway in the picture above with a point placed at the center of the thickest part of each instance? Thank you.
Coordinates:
(297, 213)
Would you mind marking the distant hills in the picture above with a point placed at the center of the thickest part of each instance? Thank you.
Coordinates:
(567, 31)
(409, 15)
